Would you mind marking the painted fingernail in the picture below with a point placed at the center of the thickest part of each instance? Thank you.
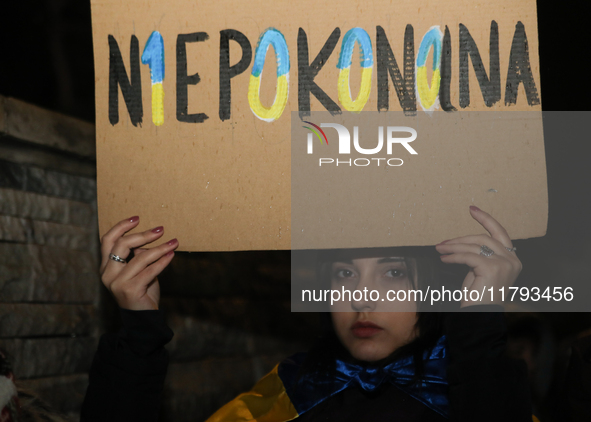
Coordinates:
(474, 208)
(134, 219)
(157, 229)
(445, 241)
(172, 242)
(169, 253)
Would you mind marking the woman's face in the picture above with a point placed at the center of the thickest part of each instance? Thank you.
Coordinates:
(372, 329)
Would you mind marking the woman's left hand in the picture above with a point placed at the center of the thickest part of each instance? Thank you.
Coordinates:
(499, 270)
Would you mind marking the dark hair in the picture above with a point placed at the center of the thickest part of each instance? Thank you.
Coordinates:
(424, 270)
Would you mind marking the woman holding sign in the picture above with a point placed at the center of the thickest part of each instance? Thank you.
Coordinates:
(372, 365)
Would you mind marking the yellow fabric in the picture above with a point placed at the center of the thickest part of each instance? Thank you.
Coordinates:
(266, 402)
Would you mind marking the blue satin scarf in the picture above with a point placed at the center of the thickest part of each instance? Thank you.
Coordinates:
(431, 390)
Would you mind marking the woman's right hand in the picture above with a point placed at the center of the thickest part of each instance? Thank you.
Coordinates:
(134, 284)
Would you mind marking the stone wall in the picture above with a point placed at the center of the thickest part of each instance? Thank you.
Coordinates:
(49, 286)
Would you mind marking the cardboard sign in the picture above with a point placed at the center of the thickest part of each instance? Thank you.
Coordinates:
(194, 105)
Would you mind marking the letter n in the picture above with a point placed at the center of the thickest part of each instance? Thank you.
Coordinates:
(131, 90)
(404, 85)
(490, 88)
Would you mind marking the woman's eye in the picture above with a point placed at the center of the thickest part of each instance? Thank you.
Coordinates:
(394, 273)
(344, 274)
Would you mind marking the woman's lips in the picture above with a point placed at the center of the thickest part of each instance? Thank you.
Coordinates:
(365, 329)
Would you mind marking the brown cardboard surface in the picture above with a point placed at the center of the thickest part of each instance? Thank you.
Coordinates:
(464, 158)
(225, 185)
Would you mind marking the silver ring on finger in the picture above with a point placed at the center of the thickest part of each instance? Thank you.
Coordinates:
(117, 258)
(513, 249)
(486, 251)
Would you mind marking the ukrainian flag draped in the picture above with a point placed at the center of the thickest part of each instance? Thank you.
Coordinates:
(277, 398)
(266, 402)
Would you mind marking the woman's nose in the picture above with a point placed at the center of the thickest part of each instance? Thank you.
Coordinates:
(362, 297)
